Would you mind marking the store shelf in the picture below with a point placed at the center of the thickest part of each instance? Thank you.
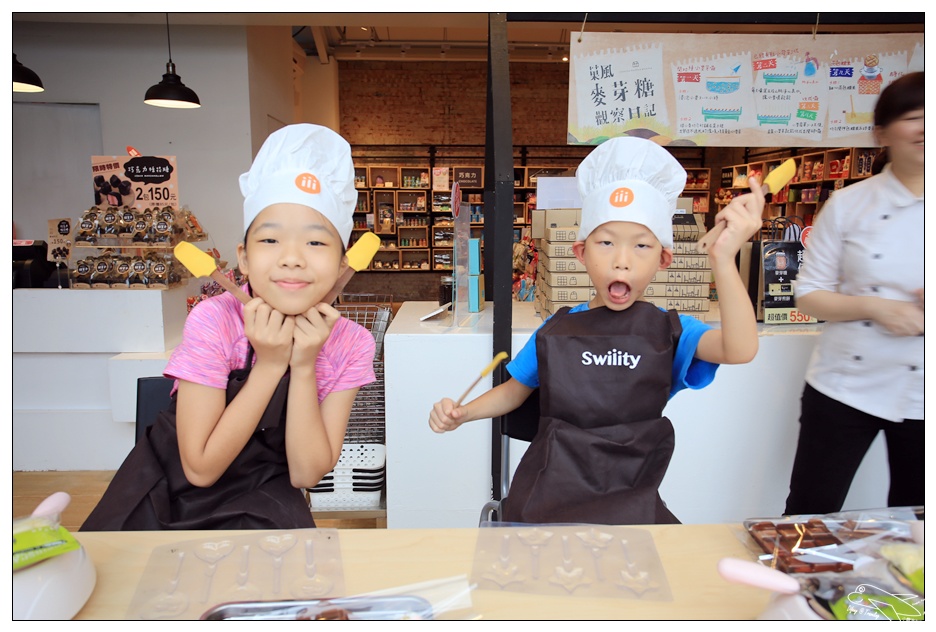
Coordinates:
(818, 174)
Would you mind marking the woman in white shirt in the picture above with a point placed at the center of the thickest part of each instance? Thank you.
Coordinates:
(862, 273)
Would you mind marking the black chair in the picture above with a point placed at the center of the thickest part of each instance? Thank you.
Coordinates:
(152, 398)
(521, 424)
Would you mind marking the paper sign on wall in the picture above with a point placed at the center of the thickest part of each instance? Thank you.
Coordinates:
(137, 182)
(733, 90)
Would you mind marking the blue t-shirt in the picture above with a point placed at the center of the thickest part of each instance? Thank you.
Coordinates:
(688, 372)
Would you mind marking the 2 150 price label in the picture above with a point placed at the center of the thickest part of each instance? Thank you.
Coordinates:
(154, 194)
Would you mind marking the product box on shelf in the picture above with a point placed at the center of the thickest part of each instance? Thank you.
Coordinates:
(677, 290)
(680, 304)
(561, 233)
(474, 256)
(558, 249)
(561, 264)
(541, 219)
(564, 279)
(475, 293)
(566, 294)
(671, 275)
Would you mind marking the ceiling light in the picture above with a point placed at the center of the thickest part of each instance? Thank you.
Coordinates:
(24, 79)
(171, 92)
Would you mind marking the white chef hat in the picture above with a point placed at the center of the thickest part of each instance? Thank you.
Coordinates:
(304, 164)
(628, 179)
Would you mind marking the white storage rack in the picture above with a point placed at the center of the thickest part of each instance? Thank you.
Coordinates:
(357, 482)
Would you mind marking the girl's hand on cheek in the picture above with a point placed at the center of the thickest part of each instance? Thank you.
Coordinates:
(311, 332)
(270, 333)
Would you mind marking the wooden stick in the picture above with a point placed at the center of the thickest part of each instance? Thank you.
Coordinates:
(221, 279)
(500, 357)
(339, 285)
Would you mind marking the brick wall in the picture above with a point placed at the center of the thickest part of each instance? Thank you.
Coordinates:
(444, 103)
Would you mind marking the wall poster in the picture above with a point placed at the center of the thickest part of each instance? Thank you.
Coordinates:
(733, 90)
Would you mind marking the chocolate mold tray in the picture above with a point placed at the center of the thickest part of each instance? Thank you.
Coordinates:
(572, 560)
(185, 579)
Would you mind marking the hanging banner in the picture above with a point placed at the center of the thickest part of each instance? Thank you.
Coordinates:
(733, 90)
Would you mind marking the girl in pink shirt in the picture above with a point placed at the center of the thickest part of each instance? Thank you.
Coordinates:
(264, 390)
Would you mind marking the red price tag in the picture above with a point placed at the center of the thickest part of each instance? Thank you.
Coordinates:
(805, 236)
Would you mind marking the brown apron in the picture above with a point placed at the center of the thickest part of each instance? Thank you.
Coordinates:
(150, 490)
(602, 447)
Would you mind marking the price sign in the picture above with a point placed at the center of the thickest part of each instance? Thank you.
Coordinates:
(780, 264)
(469, 177)
(59, 239)
(135, 181)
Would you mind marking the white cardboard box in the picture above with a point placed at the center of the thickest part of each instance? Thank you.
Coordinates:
(562, 233)
(566, 294)
(563, 279)
(561, 264)
(541, 219)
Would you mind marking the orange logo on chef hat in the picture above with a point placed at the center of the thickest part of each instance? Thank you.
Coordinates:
(621, 197)
(308, 183)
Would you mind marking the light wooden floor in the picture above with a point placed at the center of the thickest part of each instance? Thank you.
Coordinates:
(87, 487)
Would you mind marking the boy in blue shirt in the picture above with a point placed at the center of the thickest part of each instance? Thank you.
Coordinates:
(606, 369)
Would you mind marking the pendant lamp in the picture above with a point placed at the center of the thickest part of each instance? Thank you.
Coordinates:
(24, 79)
(171, 92)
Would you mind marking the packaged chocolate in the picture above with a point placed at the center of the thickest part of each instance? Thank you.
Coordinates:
(101, 271)
(120, 278)
(193, 230)
(157, 272)
(125, 220)
(81, 274)
(160, 230)
(87, 232)
(138, 276)
(141, 229)
(108, 221)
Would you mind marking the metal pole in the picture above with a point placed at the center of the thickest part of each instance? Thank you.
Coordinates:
(498, 222)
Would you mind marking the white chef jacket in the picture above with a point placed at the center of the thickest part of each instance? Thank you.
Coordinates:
(867, 241)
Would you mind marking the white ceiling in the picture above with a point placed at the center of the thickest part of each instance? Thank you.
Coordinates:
(463, 36)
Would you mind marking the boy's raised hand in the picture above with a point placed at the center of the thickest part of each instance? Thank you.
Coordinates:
(311, 331)
(445, 417)
(742, 219)
(270, 333)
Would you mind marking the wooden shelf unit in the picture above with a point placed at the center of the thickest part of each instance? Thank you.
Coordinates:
(414, 222)
(818, 174)
(398, 204)
(698, 183)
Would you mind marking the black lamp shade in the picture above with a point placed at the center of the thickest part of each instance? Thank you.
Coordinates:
(171, 92)
(24, 79)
